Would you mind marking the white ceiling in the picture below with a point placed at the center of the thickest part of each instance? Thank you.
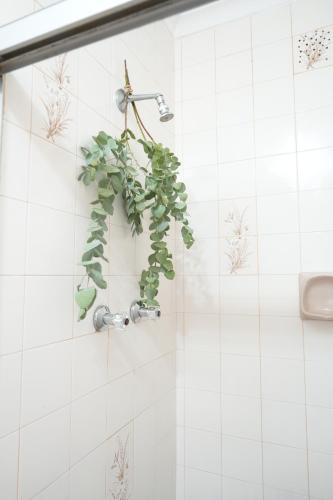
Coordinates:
(217, 12)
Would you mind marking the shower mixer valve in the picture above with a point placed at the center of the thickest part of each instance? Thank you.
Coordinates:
(138, 312)
(104, 318)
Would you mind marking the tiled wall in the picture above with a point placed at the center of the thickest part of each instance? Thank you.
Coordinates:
(255, 384)
(83, 416)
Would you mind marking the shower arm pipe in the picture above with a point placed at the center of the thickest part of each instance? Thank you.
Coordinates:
(142, 97)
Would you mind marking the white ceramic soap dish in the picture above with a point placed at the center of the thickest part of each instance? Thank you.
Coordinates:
(316, 296)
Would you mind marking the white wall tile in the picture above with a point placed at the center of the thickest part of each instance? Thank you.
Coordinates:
(283, 102)
(233, 37)
(241, 417)
(14, 181)
(120, 403)
(234, 106)
(239, 295)
(283, 380)
(315, 209)
(275, 135)
(310, 15)
(314, 169)
(192, 156)
(201, 332)
(122, 251)
(46, 380)
(202, 370)
(284, 423)
(277, 214)
(237, 179)
(240, 375)
(281, 337)
(241, 459)
(87, 478)
(9, 465)
(18, 88)
(101, 51)
(47, 254)
(273, 60)
(319, 426)
(201, 183)
(10, 393)
(271, 25)
(285, 468)
(279, 295)
(198, 80)
(13, 244)
(320, 475)
(44, 452)
(201, 294)
(318, 342)
(316, 248)
(88, 423)
(202, 410)
(198, 114)
(234, 71)
(276, 174)
(40, 293)
(203, 450)
(240, 334)
(277, 494)
(51, 166)
(90, 356)
(144, 454)
(317, 84)
(93, 87)
(59, 490)
(204, 257)
(233, 489)
(199, 484)
(278, 254)
(197, 48)
(319, 384)
(236, 142)
(313, 128)
(11, 306)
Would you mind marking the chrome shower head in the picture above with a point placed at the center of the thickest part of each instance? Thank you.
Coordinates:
(163, 108)
(122, 99)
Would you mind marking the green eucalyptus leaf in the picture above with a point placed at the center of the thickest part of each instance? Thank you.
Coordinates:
(162, 226)
(169, 274)
(85, 297)
(105, 192)
(159, 211)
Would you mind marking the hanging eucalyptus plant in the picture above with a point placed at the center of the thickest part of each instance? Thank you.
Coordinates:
(111, 165)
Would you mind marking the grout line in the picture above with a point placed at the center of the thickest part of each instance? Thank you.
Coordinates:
(300, 261)
(257, 263)
(25, 286)
(219, 226)
(184, 343)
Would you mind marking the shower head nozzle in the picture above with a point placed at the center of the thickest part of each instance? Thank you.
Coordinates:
(163, 108)
(166, 117)
(122, 99)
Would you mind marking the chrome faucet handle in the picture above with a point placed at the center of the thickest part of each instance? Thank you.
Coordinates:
(103, 318)
(138, 312)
